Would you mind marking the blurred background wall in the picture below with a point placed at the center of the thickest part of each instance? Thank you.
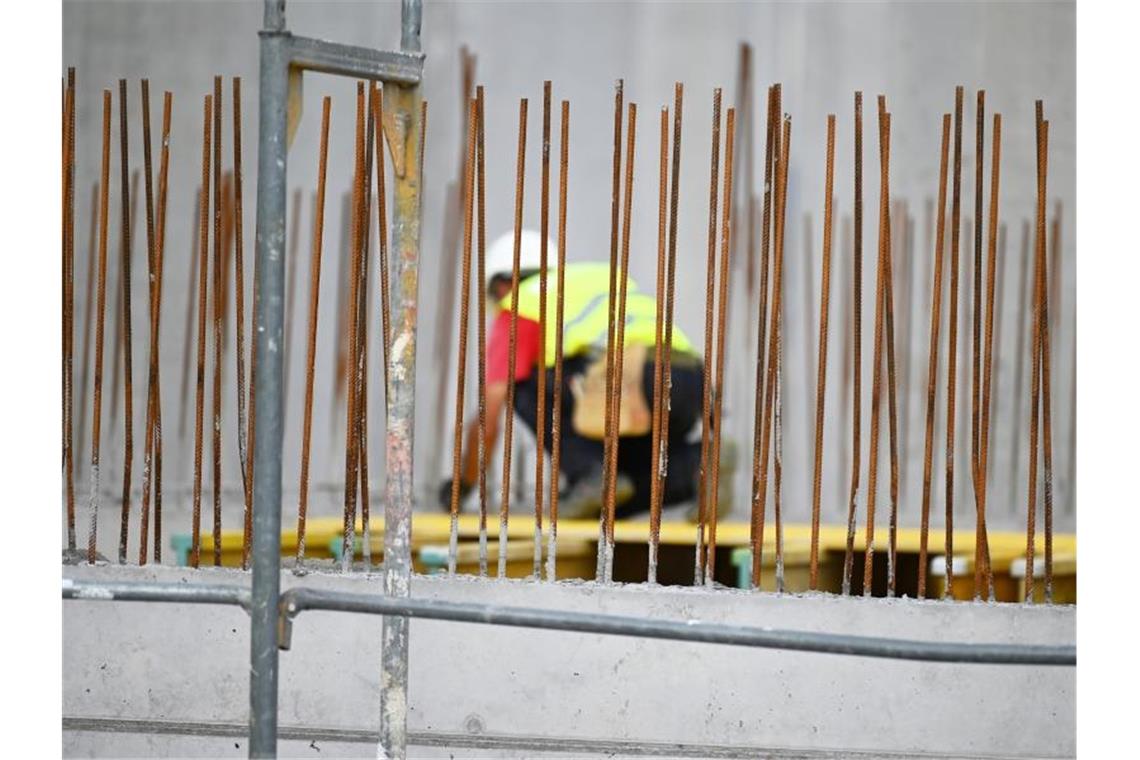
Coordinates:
(914, 53)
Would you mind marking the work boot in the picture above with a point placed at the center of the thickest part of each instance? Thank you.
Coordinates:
(583, 498)
(724, 492)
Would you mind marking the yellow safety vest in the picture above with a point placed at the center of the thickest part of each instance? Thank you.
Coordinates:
(586, 311)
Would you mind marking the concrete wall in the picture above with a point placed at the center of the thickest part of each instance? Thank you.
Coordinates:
(528, 691)
(913, 52)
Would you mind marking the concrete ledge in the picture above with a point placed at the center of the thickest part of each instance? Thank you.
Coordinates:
(504, 690)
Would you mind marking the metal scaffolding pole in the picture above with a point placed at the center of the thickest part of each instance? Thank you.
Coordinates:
(282, 52)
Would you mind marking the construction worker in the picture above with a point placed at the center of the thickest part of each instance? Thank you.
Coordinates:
(585, 327)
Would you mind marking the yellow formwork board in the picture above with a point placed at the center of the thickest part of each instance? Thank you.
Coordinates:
(429, 528)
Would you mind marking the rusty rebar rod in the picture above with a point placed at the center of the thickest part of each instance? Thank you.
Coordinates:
(756, 514)
(667, 354)
(1035, 392)
(93, 495)
(239, 306)
(351, 472)
(983, 572)
(721, 328)
(125, 238)
(952, 348)
(200, 386)
(892, 388)
(821, 364)
(656, 456)
(857, 357)
(361, 374)
(976, 297)
(152, 361)
(877, 356)
(314, 311)
(703, 480)
(88, 312)
(778, 372)
(505, 505)
(464, 312)
(760, 467)
(619, 336)
(219, 321)
(116, 339)
(1046, 392)
(160, 250)
(932, 363)
(69, 302)
(773, 335)
(540, 369)
(559, 319)
(481, 274)
(382, 232)
(609, 437)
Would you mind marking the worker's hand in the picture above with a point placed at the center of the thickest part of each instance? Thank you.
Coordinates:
(445, 492)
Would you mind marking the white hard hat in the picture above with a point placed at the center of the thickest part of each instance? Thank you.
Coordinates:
(500, 259)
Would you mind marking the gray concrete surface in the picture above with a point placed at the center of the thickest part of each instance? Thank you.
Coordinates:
(505, 690)
(913, 52)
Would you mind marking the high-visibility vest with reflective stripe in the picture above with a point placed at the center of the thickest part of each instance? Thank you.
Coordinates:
(586, 312)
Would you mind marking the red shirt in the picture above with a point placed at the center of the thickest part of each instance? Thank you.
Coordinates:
(498, 348)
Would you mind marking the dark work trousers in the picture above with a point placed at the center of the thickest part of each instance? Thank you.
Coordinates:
(581, 456)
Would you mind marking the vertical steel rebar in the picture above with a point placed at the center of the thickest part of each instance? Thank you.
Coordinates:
(721, 328)
(88, 318)
(219, 320)
(382, 236)
(985, 574)
(976, 296)
(239, 305)
(69, 302)
(540, 370)
(892, 395)
(361, 372)
(352, 440)
(707, 365)
(314, 311)
(655, 492)
(188, 331)
(952, 358)
(96, 423)
(670, 285)
(857, 358)
(464, 310)
(619, 336)
(932, 364)
(877, 356)
(160, 248)
(481, 274)
(560, 313)
(821, 365)
(611, 303)
(758, 504)
(774, 333)
(152, 361)
(125, 237)
(505, 505)
(200, 385)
